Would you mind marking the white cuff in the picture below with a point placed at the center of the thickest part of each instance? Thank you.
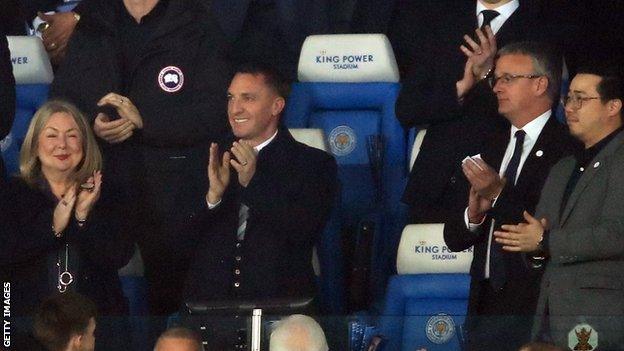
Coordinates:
(473, 227)
(211, 206)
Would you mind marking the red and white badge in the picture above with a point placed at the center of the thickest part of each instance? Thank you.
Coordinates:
(171, 79)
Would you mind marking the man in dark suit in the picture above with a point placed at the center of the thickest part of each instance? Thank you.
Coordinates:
(503, 181)
(578, 224)
(426, 37)
(268, 201)
(270, 31)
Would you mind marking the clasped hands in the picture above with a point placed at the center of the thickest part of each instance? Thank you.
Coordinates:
(485, 186)
(244, 162)
(79, 200)
(480, 59)
(117, 131)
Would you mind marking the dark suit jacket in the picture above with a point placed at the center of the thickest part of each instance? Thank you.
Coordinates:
(7, 94)
(584, 279)
(289, 199)
(554, 142)
(426, 38)
(518, 297)
(270, 31)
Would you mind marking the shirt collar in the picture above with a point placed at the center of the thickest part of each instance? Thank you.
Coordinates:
(584, 156)
(505, 11)
(534, 128)
(265, 143)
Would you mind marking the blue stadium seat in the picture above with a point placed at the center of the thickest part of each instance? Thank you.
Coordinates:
(426, 303)
(33, 74)
(348, 85)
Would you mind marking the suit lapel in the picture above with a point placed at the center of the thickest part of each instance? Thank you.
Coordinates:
(495, 151)
(540, 153)
(595, 166)
(560, 184)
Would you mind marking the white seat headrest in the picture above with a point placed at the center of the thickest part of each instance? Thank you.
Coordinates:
(31, 64)
(348, 58)
(313, 137)
(422, 250)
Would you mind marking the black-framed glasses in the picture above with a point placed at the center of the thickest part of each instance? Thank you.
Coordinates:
(575, 102)
(509, 78)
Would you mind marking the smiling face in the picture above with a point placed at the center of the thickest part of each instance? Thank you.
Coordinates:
(253, 108)
(59, 145)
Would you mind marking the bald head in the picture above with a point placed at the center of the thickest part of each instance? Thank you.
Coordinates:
(178, 339)
(298, 333)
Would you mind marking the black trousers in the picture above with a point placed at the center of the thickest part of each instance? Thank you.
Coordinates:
(501, 319)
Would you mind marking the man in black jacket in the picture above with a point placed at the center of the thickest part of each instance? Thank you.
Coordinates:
(502, 182)
(149, 76)
(268, 201)
(426, 37)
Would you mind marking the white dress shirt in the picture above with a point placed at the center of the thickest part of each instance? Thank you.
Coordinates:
(532, 129)
(505, 11)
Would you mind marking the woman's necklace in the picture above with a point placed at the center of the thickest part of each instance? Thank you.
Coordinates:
(65, 278)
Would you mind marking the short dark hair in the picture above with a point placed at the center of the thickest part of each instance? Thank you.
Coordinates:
(61, 316)
(547, 61)
(182, 333)
(272, 77)
(611, 85)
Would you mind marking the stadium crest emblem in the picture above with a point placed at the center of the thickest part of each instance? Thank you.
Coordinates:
(583, 337)
(342, 140)
(440, 328)
(171, 79)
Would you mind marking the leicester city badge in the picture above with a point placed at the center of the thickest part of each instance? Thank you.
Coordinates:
(583, 337)
(170, 79)
(342, 140)
(440, 328)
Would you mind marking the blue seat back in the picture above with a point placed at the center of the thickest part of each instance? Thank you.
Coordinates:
(33, 74)
(349, 113)
(425, 311)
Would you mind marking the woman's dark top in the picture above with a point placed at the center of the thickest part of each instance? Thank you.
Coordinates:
(29, 250)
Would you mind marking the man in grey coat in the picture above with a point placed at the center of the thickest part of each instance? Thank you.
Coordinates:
(579, 227)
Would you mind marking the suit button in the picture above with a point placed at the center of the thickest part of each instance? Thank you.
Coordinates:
(238, 245)
(238, 258)
(453, 180)
(236, 284)
(237, 271)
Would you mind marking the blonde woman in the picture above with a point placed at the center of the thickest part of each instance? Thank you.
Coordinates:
(59, 230)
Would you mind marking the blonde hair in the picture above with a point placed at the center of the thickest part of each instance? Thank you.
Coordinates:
(30, 165)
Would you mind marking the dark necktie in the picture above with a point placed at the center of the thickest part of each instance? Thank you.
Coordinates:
(512, 167)
(497, 262)
(488, 16)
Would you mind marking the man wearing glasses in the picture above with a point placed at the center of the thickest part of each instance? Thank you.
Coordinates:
(503, 180)
(578, 226)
